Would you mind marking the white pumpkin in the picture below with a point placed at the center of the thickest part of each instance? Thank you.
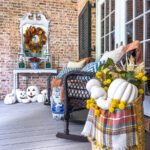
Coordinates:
(44, 92)
(32, 93)
(97, 92)
(119, 89)
(41, 98)
(21, 96)
(91, 83)
(9, 99)
(122, 90)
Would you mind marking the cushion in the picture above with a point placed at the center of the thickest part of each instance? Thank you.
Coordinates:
(87, 60)
(92, 67)
(65, 70)
(73, 64)
(114, 54)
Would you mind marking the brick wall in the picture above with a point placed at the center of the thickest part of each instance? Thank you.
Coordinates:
(63, 40)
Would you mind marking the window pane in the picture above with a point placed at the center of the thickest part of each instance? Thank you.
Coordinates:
(129, 33)
(129, 9)
(148, 4)
(107, 25)
(113, 41)
(148, 26)
(107, 7)
(102, 28)
(102, 45)
(139, 7)
(112, 5)
(112, 21)
(107, 43)
(147, 55)
(102, 12)
(139, 29)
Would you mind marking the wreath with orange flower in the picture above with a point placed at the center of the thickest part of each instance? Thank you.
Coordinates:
(30, 33)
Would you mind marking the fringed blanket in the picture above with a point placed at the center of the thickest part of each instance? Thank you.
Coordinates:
(116, 131)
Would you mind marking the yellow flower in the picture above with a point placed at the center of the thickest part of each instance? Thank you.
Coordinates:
(27, 46)
(34, 50)
(32, 29)
(92, 105)
(140, 74)
(39, 42)
(137, 76)
(96, 112)
(123, 102)
(104, 82)
(144, 78)
(96, 107)
(88, 101)
(92, 100)
(98, 75)
(88, 106)
(106, 88)
(113, 104)
(40, 32)
(108, 81)
(111, 109)
(116, 101)
(122, 106)
(141, 91)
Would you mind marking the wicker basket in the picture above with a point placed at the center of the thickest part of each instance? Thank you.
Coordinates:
(140, 127)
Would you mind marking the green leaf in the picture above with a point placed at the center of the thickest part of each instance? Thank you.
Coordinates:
(129, 75)
(135, 82)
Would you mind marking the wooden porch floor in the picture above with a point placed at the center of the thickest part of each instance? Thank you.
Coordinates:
(31, 127)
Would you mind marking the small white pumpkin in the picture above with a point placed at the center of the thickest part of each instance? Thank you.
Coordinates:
(41, 98)
(9, 99)
(97, 92)
(91, 83)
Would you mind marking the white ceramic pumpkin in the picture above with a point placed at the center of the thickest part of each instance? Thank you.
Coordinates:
(21, 96)
(44, 92)
(32, 93)
(119, 89)
(41, 98)
(91, 83)
(10, 98)
(97, 92)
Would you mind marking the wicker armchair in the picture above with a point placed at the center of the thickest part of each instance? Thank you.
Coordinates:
(75, 96)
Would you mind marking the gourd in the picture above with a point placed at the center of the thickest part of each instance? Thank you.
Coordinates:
(97, 92)
(91, 83)
(121, 90)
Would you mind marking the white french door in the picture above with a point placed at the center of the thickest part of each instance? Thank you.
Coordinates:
(121, 22)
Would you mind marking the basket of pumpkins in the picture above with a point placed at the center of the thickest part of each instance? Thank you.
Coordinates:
(116, 119)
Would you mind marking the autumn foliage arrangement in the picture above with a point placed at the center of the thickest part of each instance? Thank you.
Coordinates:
(28, 36)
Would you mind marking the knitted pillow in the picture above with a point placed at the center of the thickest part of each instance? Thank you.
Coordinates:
(92, 67)
(65, 70)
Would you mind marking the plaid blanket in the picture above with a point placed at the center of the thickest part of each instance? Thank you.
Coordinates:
(115, 130)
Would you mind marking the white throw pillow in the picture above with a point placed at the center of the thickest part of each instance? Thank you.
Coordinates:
(73, 64)
(114, 54)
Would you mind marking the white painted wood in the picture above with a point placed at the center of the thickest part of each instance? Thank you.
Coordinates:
(16, 72)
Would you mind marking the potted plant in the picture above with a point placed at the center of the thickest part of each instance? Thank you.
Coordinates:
(34, 62)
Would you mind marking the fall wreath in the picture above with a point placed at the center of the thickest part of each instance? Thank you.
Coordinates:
(34, 39)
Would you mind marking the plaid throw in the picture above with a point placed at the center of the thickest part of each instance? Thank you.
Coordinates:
(115, 130)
